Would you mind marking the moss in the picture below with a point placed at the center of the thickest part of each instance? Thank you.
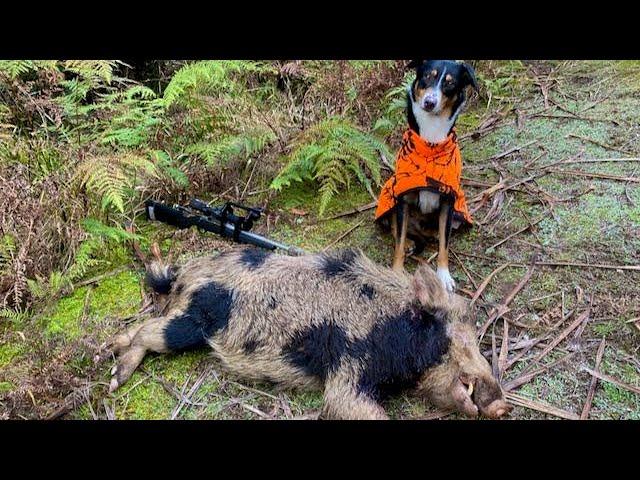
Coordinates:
(150, 400)
(65, 319)
(8, 352)
(6, 387)
(118, 295)
(147, 401)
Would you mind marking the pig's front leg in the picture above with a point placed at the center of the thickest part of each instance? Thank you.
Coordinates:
(343, 401)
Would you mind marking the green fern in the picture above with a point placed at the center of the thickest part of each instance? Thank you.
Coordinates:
(170, 168)
(243, 146)
(87, 256)
(394, 114)
(14, 315)
(206, 77)
(332, 153)
(16, 68)
(113, 178)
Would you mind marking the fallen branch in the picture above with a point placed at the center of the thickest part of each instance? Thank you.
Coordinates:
(343, 235)
(540, 407)
(600, 144)
(586, 119)
(360, 209)
(523, 229)
(605, 176)
(436, 415)
(99, 278)
(594, 382)
(486, 281)
(502, 308)
(612, 380)
(504, 350)
(635, 268)
(554, 343)
(603, 160)
(509, 152)
(526, 378)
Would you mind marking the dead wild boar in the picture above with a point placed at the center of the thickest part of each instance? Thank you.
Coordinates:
(332, 321)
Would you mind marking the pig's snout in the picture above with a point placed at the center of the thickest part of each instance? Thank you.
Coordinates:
(496, 409)
(490, 399)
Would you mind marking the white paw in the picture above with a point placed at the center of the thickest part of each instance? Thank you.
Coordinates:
(445, 278)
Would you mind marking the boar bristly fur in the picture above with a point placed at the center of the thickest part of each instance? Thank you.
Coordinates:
(334, 321)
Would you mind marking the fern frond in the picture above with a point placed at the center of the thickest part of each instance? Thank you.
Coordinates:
(332, 153)
(206, 77)
(242, 146)
(112, 177)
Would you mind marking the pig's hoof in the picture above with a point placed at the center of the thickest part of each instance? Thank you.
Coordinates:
(445, 278)
(113, 385)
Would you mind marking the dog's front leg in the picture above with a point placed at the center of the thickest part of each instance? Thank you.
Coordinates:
(444, 229)
(399, 223)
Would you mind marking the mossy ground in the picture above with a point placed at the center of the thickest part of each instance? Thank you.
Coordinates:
(601, 226)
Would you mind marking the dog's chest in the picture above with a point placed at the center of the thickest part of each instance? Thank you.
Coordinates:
(433, 128)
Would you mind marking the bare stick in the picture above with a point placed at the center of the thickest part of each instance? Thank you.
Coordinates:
(612, 380)
(486, 281)
(523, 229)
(526, 378)
(594, 382)
(600, 144)
(343, 235)
(581, 318)
(635, 268)
(540, 407)
(502, 308)
(604, 176)
(360, 209)
(510, 151)
(504, 349)
(603, 160)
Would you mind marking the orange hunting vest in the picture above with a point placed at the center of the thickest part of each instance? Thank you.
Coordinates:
(437, 166)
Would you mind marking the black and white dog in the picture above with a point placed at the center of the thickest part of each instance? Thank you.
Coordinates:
(435, 98)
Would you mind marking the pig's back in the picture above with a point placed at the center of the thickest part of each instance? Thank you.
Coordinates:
(291, 319)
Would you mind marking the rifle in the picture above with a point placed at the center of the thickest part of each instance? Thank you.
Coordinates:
(221, 220)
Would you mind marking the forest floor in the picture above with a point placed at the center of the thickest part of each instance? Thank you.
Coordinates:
(555, 232)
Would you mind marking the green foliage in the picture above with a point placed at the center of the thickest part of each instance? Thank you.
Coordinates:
(394, 115)
(243, 146)
(16, 68)
(332, 153)
(88, 256)
(113, 178)
(170, 168)
(208, 77)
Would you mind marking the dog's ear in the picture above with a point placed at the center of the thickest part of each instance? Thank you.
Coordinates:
(469, 76)
(414, 64)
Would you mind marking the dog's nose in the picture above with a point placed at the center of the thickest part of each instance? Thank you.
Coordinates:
(429, 104)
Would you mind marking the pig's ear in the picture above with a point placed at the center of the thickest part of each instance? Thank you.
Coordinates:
(428, 289)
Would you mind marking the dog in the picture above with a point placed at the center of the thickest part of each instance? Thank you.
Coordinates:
(335, 322)
(424, 198)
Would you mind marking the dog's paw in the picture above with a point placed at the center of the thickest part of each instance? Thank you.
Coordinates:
(445, 278)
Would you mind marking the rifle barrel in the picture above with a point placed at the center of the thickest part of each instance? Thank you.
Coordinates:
(182, 218)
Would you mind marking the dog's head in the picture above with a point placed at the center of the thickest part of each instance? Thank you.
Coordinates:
(463, 381)
(440, 85)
